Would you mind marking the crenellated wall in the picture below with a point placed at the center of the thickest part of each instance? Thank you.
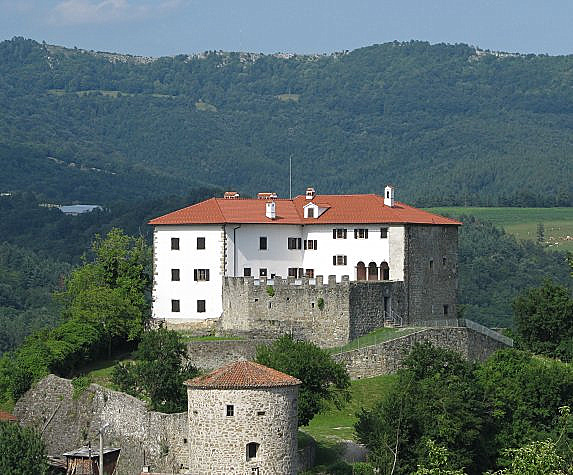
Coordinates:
(327, 313)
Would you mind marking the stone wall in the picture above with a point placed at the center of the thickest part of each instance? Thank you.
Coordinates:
(387, 357)
(431, 272)
(319, 312)
(209, 355)
(264, 416)
(68, 423)
(328, 314)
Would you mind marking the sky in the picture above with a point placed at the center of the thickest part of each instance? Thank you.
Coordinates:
(169, 27)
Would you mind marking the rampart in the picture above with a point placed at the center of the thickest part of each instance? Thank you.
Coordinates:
(472, 341)
(326, 313)
(69, 422)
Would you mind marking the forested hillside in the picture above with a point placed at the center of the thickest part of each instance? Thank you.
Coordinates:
(445, 123)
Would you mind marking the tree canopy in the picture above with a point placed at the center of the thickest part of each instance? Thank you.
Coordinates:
(323, 379)
(21, 451)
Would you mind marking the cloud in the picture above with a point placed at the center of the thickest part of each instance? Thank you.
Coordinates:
(77, 12)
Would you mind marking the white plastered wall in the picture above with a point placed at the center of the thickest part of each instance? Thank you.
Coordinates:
(186, 259)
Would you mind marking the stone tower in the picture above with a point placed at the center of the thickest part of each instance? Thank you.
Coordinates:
(243, 420)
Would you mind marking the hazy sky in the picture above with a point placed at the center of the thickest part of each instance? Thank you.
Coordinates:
(167, 27)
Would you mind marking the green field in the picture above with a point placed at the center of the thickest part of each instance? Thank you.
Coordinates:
(522, 222)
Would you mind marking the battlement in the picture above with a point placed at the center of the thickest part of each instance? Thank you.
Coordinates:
(328, 313)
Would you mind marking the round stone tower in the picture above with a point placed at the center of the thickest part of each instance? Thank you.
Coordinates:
(243, 420)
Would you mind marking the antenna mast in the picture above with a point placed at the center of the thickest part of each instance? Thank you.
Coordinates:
(290, 176)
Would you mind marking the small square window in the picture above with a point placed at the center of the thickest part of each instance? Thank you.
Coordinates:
(175, 244)
(175, 306)
(175, 275)
(310, 273)
(339, 260)
(339, 233)
(263, 243)
(247, 272)
(230, 410)
(260, 413)
(200, 275)
(383, 233)
(310, 212)
(262, 272)
(200, 243)
(361, 233)
(200, 306)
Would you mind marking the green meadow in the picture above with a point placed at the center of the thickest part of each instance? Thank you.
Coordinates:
(523, 222)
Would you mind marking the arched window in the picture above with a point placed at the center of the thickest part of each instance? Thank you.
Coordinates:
(384, 271)
(360, 271)
(252, 450)
(372, 271)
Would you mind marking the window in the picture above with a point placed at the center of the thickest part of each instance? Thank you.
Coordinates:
(310, 212)
(200, 243)
(295, 272)
(201, 274)
(338, 260)
(311, 244)
(383, 233)
(310, 273)
(263, 243)
(247, 272)
(230, 410)
(446, 309)
(444, 260)
(260, 413)
(175, 274)
(175, 306)
(431, 264)
(339, 233)
(294, 243)
(361, 234)
(175, 244)
(252, 449)
(200, 306)
(262, 272)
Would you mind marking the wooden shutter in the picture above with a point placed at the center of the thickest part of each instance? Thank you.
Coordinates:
(334, 234)
(344, 260)
(333, 260)
(344, 233)
(366, 234)
(207, 274)
(195, 274)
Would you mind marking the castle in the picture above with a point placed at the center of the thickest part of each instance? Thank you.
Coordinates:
(348, 263)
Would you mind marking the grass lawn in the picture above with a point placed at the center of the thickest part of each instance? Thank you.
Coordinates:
(335, 424)
(372, 338)
(100, 372)
(522, 222)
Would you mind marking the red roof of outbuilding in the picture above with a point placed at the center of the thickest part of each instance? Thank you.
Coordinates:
(6, 416)
(242, 375)
(341, 209)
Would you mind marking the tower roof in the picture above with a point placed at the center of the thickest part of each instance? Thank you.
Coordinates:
(242, 375)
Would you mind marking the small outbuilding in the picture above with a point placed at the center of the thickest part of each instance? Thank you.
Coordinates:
(243, 419)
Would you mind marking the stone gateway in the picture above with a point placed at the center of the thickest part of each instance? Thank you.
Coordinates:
(243, 420)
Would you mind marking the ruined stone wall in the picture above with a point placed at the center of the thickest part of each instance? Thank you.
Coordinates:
(209, 355)
(68, 423)
(249, 309)
(431, 272)
(266, 416)
(387, 357)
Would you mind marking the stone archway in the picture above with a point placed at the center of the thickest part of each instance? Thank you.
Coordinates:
(384, 271)
(372, 271)
(360, 271)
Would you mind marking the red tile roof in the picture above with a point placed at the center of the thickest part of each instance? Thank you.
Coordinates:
(342, 209)
(6, 416)
(242, 375)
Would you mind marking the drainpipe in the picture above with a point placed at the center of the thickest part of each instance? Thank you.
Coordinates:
(235, 250)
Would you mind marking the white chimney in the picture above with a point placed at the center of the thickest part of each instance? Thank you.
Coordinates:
(389, 195)
(310, 193)
(270, 210)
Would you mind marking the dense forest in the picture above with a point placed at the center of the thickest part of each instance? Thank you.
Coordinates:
(447, 124)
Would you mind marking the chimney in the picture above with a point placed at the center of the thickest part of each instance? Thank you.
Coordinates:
(231, 195)
(389, 195)
(310, 193)
(271, 210)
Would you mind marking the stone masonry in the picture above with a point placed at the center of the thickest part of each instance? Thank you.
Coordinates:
(69, 422)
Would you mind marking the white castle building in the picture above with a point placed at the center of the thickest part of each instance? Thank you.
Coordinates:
(365, 237)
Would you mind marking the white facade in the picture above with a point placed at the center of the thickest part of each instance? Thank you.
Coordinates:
(262, 250)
